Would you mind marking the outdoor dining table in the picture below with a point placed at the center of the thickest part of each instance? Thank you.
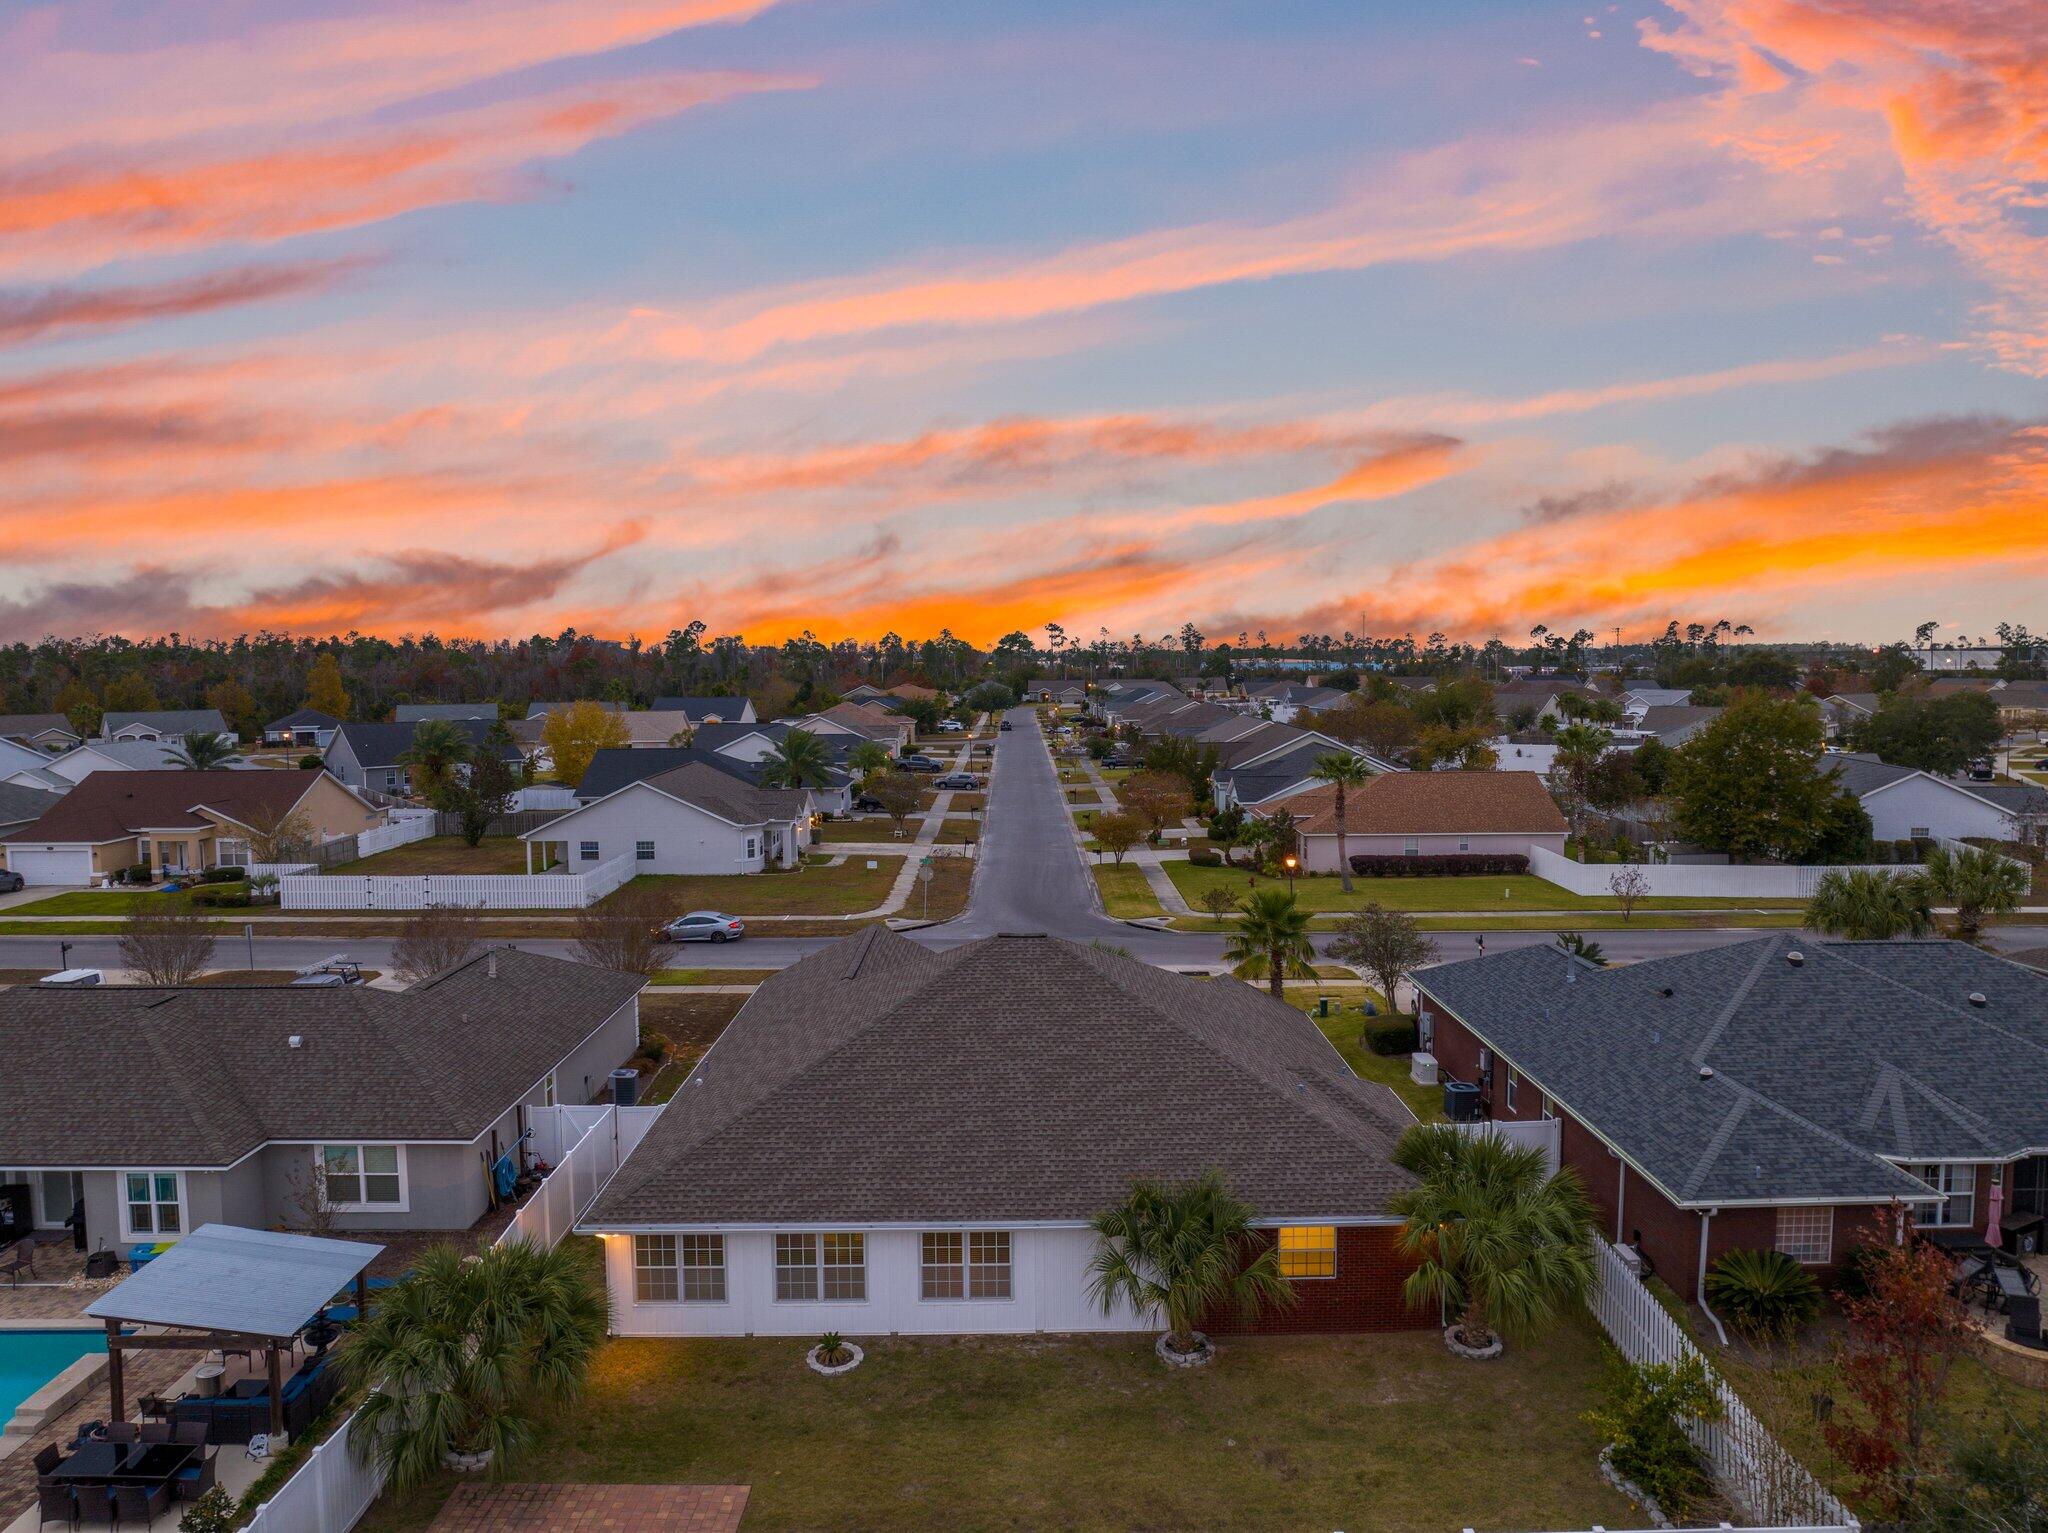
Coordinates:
(103, 1463)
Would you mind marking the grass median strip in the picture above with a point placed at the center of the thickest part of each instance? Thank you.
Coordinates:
(1125, 894)
(1501, 892)
(813, 890)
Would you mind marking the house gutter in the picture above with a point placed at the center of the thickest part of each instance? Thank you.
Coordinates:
(1700, 1282)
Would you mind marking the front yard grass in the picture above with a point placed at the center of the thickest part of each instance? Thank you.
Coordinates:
(445, 854)
(813, 890)
(1091, 1433)
(874, 829)
(687, 977)
(111, 902)
(1478, 893)
(1125, 894)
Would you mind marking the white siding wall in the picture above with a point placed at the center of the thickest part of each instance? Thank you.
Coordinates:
(1319, 853)
(1921, 803)
(686, 839)
(1049, 1288)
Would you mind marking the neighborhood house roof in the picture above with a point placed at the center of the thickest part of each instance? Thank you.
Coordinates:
(616, 767)
(380, 745)
(1434, 803)
(413, 713)
(305, 718)
(1676, 722)
(26, 726)
(1737, 1074)
(1014, 1078)
(113, 806)
(171, 721)
(720, 787)
(118, 1075)
(19, 804)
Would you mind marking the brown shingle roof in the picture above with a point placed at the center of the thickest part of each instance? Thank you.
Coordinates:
(727, 796)
(1434, 803)
(1011, 1078)
(111, 806)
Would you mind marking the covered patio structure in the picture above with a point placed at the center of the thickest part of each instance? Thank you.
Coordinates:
(231, 1289)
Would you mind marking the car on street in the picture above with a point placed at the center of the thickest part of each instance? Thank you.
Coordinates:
(951, 726)
(10, 881)
(921, 764)
(705, 926)
(957, 780)
(1007, 726)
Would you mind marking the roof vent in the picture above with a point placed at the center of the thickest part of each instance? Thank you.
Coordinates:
(296, 1041)
(1666, 991)
(1977, 998)
(1795, 958)
(1706, 1072)
(491, 964)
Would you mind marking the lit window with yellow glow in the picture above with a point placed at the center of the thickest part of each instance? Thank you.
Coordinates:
(1308, 1250)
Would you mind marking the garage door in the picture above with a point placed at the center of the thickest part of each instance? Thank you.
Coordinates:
(72, 868)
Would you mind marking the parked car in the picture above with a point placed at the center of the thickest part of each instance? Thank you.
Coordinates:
(1006, 726)
(867, 803)
(951, 726)
(11, 881)
(705, 926)
(957, 780)
(921, 764)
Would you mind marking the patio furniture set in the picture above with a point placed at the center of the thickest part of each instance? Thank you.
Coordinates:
(123, 1472)
(1998, 1283)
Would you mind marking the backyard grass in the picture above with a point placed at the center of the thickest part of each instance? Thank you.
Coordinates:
(814, 890)
(688, 1024)
(445, 854)
(1092, 1433)
(1125, 894)
(1480, 893)
(1342, 1027)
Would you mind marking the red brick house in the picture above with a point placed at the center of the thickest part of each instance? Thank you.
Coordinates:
(1775, 1094)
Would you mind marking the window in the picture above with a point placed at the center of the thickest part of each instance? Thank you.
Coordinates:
(1308, 1250)
(654, 1269)
(1956, 1181)
(796, 1266)
(644, 851)
(1411, 847)
(970, 1265)
(1549, 1107)
(547, 1090)
(152, 1203)
(1920, 833)
(1807, 1234)
(587, 850)
(703, 1264)
(1464, 843)
(752, 844)
(1513, 1082)
(821, 1266)
(363, 1175)
(845, 1261)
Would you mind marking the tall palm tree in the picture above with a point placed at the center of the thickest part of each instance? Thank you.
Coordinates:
(1498, 1239)
(202, 750)
(1864, 906)
(799, 759)
(1579, 749)
(437, 748)
(1179, 1253)
(1272, 941)
(1342, 771)
(1977, 882)
(472, 1353)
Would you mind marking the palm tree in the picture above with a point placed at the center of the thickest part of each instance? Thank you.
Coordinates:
(800, 759)
(1579, 749)
(1271, 941)
(202, 750)
(1576, 944)
(1977, 882)
(1864, 906)
(437, 748)
(1179, 1253)
(1498, 1239)
(868, 758)
(472, 1354)
(1343, 771)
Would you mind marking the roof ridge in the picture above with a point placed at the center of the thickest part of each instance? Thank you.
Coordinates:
(1744, 1097)
(1976, 1018)
(173, 1064)
(1767, 949)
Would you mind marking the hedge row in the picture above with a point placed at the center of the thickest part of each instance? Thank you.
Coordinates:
(1438, 864)
(1392, 1035)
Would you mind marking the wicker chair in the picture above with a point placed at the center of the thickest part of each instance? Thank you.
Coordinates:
(48, 1459)
(96, 1504)
(196, 1481)
(156, 1431)
(141, 1503)
(55, 1503)
(193, 1432)
(123, 1432)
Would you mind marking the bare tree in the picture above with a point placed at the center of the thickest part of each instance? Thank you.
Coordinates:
(1219, 901)
(623, 932)
(1630, 886)
(305, 1198)
(167, 941)
(287, 837)
(435, 938)
(1387, 944)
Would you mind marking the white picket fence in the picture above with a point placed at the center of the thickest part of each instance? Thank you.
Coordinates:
(399, 832)
(1687, 880)
(331, 1490)
(482, 891)
(1747, 1462)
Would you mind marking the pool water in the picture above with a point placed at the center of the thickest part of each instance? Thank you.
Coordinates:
(30, 1359)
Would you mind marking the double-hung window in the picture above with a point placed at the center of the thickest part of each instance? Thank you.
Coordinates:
(833, 1267)
(643, 851)
(1411, 847)
(970, 1264)
(1513, 1082)
(1308, 1250)
(363, 1175)
(153, 1203)
(587, 850)
(1956, 1181)
(669, 1268)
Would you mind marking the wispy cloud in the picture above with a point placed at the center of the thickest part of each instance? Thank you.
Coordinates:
(53, 311)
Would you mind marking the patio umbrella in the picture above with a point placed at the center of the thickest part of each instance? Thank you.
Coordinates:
(1995, 1211)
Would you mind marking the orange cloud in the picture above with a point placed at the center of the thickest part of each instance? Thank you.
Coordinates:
(55, 311)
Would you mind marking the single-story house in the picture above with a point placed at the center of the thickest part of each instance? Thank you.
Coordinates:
(366, 756)
(1429, 814)
(1283, 704)
(1775, 1094)
(48, 732)
(20, 806)
(308, 728)
(1906, 803)
(710, 709)
(159, 755)
(738, 750)
(1539, 696)
(1670, 724)
(863, 721)
(175, 821)
(1114, 699)
(1525, 750)
(1268, 766)
(692, 818)
(414, 713)
(163, 724)
(25, 764)
(891, 1140)
(1072, 695)
(1634, 700)
(645, 730)
(166, 1109)
(911, 692)
(865, 692)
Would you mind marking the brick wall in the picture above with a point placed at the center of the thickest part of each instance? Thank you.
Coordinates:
(1365, 1295)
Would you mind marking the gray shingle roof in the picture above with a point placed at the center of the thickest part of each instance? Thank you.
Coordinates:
(380, 745)
(200, 1076)
(171, 721)
(726, 794)
(23, 805)
(1860, 1051)
(1862, 774)
(614, 767)
(1012, 1078)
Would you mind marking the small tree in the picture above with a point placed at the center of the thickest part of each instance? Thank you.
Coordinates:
(167, 941)
(1218, 901)
(897, 792)
(1343, 772)
(1158, 799)
(1978, 883)
(483, 796)
(571, 736)
(623, 931)
(1630, 886)
(1117, 832)
(1271, 941)
(799, 759)
(1865, 906)
(305, 1197)
(202, 750)
(282, 838)
(433, 939)
(1644, 1417)
(868, 758)
(1386, 944)
(436, 750)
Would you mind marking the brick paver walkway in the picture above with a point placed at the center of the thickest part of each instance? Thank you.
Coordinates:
(593, 1509)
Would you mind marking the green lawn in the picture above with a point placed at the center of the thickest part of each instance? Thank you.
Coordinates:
(876, 828)
(1125, 894)
(446, 854)
(108, 902)
(1521, 891)
(813, 890)
(958, 832)
(709, 976)
(1342, 1028)
(1093, 1434)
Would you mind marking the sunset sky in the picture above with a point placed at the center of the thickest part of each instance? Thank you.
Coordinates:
(496, 316)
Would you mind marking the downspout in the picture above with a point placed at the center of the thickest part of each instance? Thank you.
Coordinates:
(1700, 1282)
(1620, 1193)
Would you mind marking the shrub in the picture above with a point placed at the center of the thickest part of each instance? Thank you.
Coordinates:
(219, 897)
(1646, 1402)
(1763, 1294)
(654, 1045)
(1205, 857)
(1391, 1035)
(139, 874)
(1438, 865)
(222, 875)
(310, 763)
(832, 1350)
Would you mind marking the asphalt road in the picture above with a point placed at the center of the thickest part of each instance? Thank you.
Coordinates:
(1029, 878)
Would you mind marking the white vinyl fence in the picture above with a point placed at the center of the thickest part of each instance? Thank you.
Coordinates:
(1734, 881)
(1747, 1462)
(399, 832)
(1536, 1134)
(481, 891)
(331, 1490)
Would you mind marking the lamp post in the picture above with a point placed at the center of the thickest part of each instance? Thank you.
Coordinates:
(1292, 862)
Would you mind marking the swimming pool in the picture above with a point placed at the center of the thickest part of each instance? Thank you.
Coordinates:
(30, 1359)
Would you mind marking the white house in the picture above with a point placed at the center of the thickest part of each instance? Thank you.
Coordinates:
(689, 819)
(1907, 804)
(889, 1140)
